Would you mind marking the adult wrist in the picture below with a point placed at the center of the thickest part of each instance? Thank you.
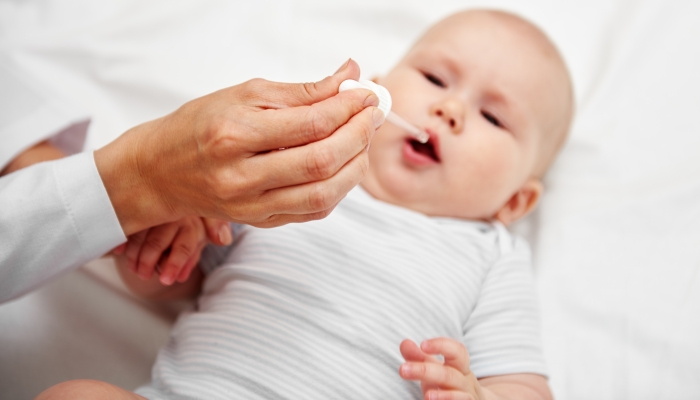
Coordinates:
(135, 200)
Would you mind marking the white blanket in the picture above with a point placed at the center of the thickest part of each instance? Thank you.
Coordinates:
(616, 239)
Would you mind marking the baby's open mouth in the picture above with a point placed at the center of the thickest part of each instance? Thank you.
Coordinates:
(427, 149)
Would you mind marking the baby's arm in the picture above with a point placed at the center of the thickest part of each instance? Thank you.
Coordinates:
(453, 379)
(43, 151)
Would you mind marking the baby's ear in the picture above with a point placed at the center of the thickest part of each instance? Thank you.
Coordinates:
(521, 203)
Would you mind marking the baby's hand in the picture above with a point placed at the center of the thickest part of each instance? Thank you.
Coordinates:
(173, 249)
(448, 380)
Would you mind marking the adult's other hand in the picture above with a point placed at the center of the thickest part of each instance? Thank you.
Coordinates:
(219, 155)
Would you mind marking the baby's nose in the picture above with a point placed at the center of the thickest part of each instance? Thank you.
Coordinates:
(452, 113)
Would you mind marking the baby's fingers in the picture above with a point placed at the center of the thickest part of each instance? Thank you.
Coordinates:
(453, 351)
(119, 250)
(411, 352)
(447, 395)
(133, 248)
(156, 243)
(190, 265)
(219, 232)
(433, 375)
(187, 242)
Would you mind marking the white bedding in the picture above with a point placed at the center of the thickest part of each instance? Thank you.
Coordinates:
(616, 239)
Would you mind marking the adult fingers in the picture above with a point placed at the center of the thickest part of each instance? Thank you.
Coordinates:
(435, 394)
(218, 231)
(283, 219)
(317, 196)
(454, 352)
(133, 248)
(276, 95)
(290, 127)
(186, 242)
(316, 161)
(433, 375)
(155, 244)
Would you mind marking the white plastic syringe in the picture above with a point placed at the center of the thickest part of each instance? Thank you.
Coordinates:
(385, 105)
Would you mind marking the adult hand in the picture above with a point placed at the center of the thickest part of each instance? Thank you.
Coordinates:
(218, 156)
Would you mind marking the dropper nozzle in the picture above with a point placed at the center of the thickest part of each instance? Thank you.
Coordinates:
(385, 105)
(419, 134)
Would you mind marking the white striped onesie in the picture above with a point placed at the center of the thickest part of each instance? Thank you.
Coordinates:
(318, 310)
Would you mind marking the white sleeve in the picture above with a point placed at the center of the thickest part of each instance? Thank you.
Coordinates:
(54, 216)
(31, 114)
(503, 332)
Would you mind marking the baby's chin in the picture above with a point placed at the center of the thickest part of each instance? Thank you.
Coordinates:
(399, 199)
(394, 191)
(371, 185)
(428, 207)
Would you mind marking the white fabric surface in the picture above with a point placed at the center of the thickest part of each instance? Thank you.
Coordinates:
(77, 327)
(616, 238)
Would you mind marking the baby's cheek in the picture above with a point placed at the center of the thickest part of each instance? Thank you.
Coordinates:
(485, 181)
(491, 162)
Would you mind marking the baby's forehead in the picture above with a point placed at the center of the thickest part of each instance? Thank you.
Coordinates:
(494, 47)
(489, 26)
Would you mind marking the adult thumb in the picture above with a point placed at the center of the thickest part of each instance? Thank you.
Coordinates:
(313, 92)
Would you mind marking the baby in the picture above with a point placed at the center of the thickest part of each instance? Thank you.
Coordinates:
(321, 309)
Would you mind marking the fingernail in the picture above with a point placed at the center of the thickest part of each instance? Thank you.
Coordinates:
(405, 369)
(342, 67)
(433, 396)
(371, 100)
(378, 117)
(225, 234)
(166, 280)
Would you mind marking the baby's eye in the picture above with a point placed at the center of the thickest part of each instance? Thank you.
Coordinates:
(493, 120)
(434, 80)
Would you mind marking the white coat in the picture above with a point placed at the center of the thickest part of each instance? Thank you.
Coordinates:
(54, 216)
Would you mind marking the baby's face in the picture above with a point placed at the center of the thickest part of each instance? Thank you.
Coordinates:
(485, 91)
